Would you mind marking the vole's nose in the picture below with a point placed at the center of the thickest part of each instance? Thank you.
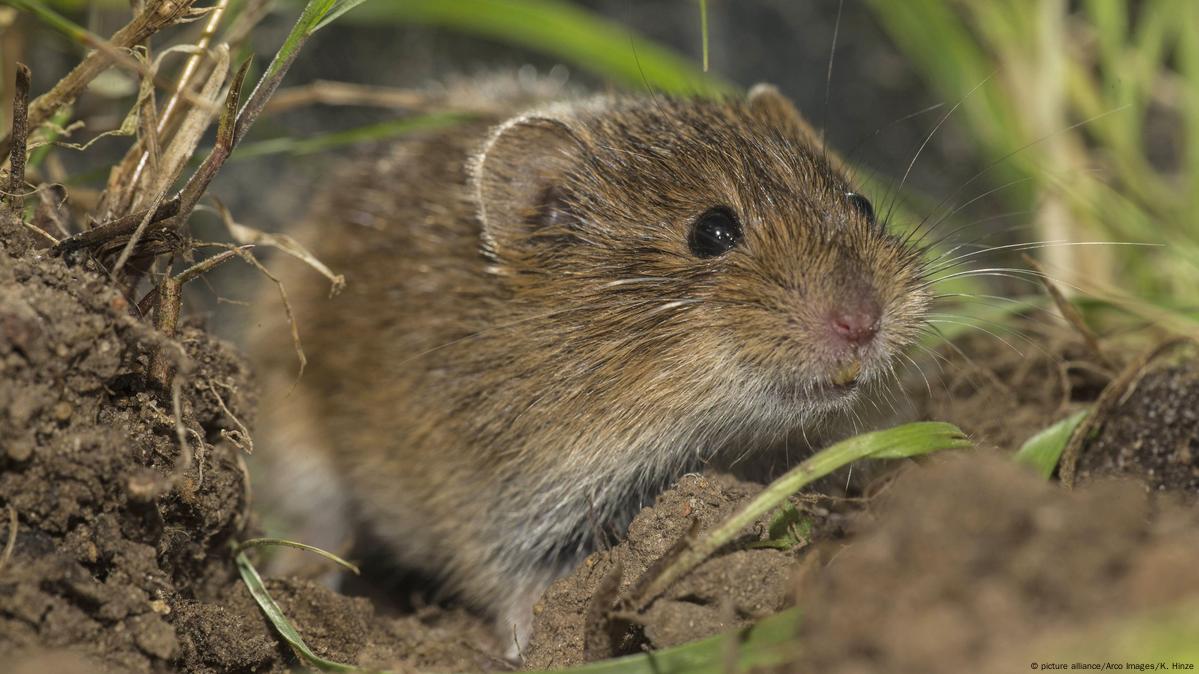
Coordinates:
(856, 324)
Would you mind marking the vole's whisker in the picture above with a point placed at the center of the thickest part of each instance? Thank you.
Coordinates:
(967, 324)
(1018, 150)
(919, 369)
(1027, 246)
(929, 137)
(989, 233)
(828, 80)
(950, 259)
(996, 324)
(957, 349)
(939, 360)
(852, 154)
(1013, 303)
(1015, 273)
(957, 209)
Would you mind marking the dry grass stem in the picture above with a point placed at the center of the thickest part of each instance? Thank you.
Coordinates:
(326, 92)
(249, 235)
(252, 13)
(203, 176)
(135, 161)
(51, 209)
(240, 437)
(137, 234)
(291, 316)
(166, 319)
(1070, 313)
(126, 224)
(11, 543)
(159, 14)
(19, 136)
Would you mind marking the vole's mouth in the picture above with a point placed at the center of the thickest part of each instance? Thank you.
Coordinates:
(829, 391)
(847, 375)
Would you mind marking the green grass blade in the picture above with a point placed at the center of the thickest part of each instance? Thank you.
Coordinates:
(1043, 450)
(283, 542)
(336, 10)
(274, 613)
(362, 134)
(904, 441)
(561, 29)
(51, 18)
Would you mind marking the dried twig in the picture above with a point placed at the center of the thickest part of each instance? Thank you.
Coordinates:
(601, 631)
(11, 543)
(169, 303)
(19, 136)
(249, 235)
(133, 165)
(347, 93)
(204, 266)
(184, 462)
(113, 229)
(199, 456)
(291, 316)
(137, 233)
(200, 180)
(232, 128)
(166, 319)
(1070, 313)
(252, 13)
(52, 200)
(240, 437)
(226, 139)
(640, 595)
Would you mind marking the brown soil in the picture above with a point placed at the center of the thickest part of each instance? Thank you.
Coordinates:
(1001, 393)
(728, 591)
(122, 558)
(1153, 432)
(113, 530)
(958, 567)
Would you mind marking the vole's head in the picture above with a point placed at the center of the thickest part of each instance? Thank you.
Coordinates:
(710, 249)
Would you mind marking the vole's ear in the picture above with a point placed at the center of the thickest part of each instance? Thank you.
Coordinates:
(518, 181)
(773, 108)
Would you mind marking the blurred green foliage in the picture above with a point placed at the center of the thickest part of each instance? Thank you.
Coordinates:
(1091, 109)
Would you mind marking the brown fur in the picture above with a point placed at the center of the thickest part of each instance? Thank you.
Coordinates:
(526, 343)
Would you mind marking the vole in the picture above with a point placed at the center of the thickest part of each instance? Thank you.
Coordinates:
(552, 313)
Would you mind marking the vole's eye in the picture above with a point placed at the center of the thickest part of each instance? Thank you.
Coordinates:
(862, 205)
(716, 232)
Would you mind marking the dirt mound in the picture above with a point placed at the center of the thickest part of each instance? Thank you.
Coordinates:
(122, 558)
(1152, 432)
(231, 633)
(113, 529)
(960, 565)
(728, 591)
(1002, 389)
